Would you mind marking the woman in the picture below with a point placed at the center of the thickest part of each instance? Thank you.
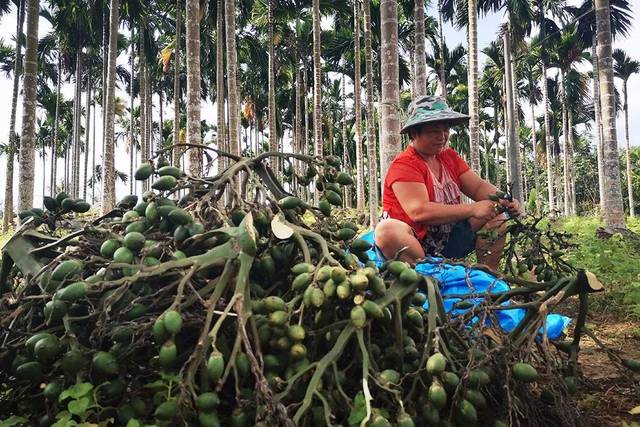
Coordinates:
(422, 210)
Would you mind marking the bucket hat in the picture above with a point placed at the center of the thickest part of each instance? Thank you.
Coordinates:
(428, 109)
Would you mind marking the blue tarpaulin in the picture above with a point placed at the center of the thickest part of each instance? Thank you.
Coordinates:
(460, 280)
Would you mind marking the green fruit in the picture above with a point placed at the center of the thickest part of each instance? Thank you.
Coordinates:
(290, 202)
(61, 196)
(436, 364)
(343, 290)
(164, 183)
(128, 201)
(104, 364)
(215, 366)
(389, 376)
(52, 390)
(68, 204)
(278, 318)
(329, 288)
(138, 226)
(317, 297)
(195, 229)
(379, 421)
(207, 401)
(72, 362)
(134, 240)
(151, 212)
(359, 282)
(467, 413)
(409, 276)
(47, 349)
(478, 378)
(373, 310)
(358, 317)
(54, 310)
(570, 383)
(524, 372)
(419, 299)
(360, 245)
(50, 203)
(130, 216)
(181, 233)
(296, 332)
(397, 267)
(122, 334)
(338, 274)
(144, 171)
(476, 398)
(344, 178)
(437, 395)
(208, 419)
(405, 420)
(80, 206)
(274, 303)
(632, 364)
(179, 216)
(298, 351)
(302, 267)
(123, 255)
(170, 171)
(345, 234)
(167, 410)
(164, 211)
(66, 269)
(108, 247)
(333, 198)
(172, 322)
(150, 261)
(377, 285)
(72, 292)
(168, 354)
(325, 207)
(179, 255)
(31, 371)
(301, 281)
(159, 331)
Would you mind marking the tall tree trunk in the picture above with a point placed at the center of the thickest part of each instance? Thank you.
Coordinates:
(192, 21)
(297, 138)
(109, 181)
(565, 151)
(132, 150)
(93, 157)
(536, 173)
(371, 131)
(17, 71)
(390, 143)
(317, 82)
(597, 116)
(87, 126)
(142, 79)
(232, 67)
(513, 148)
(176, 85)
(271, 90)
(54, 143)
(30, 82)
(548, 140)
(345, 146)
(572, 178)
(160, 117)
(420, 75)
(305, 103)
(222, 161)
(357, 99)
(632, 210)
(76, 120)
(613, 211)
(149, 107)
(441, 73)
(474, 122)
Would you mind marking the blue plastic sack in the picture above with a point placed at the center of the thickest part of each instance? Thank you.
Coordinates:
(460, 280)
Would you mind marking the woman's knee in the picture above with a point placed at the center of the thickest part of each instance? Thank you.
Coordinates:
(389, 231)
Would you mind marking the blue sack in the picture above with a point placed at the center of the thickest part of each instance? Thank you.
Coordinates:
(460, 280)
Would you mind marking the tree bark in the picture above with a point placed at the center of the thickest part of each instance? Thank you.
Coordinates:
(371, 131)
(142, 78)
(390, 143)
(565, 151)
(17, 71)
(87, 126)
(93, 158)
(176, 85)
(54, 143)
(132, 149)
(271, 94)
(534, 145)
(317, 82)
(420, 74)
(30, 82)
(443, 79)
(232, 67)
(77, 115)
(109, 181)
(515, 178)
(193, 86)
(474, 122)
(632, 210)
(360, 200)
(597, 121)
(220, 83)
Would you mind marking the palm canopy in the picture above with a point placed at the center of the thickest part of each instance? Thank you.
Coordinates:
(623, 65)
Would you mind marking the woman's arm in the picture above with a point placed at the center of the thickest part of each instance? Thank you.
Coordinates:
(414, 199)
(478, 189)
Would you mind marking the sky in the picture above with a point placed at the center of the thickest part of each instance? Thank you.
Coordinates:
(487, 31)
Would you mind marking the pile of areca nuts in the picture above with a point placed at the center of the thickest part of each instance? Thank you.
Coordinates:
(241, 304)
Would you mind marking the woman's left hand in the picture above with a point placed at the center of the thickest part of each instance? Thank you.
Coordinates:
(512, 207)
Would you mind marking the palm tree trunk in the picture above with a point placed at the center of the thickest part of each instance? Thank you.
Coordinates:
(271, 94)
(30, 82)
(17, 71)
(513, 149)
(220, 83)
(131, 118)
(54, 143)
(632, 210)
(297, 143)
(78, 149)
(176, 85)
(87, 125)
(305, 103)
(420, 74)
(565, 150)
(572, 178)
(371, 132)
(317, 82)
(142, 78)
(93, 158)
(547, 139)
(360, 200)
(597, 115)
(160, 144)
(232, 67)
(474, 122)
(536, 173)
(76, 119)
(109, 180)
(149, 108)
(443, 81)
(345, 146)
(193, 86)
(390, 143)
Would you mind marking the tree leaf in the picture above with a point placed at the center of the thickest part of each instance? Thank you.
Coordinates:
(13, 421)
(76, 391)
(635, 411)
(279, 229)
(79, 406)
(359, 410)
(133, 423)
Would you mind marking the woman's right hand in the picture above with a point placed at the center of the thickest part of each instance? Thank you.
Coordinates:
(484, 210)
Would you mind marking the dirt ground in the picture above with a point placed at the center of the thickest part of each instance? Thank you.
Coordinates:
(607, 394)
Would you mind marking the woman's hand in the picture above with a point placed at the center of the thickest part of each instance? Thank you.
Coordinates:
(484, 210)
(512, 207)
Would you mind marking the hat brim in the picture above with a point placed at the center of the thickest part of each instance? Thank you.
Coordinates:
(452, 118)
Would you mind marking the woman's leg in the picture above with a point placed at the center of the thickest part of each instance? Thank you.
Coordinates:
(489, 249)
(392, 235)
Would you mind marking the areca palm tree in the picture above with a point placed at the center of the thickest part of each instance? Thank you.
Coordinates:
(371, 133)
(232, 84)
(193, 85)
(623, 68)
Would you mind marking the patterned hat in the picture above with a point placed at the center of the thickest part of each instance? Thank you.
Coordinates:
(429, 108)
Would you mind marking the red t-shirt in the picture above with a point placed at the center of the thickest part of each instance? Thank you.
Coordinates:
(408, 166)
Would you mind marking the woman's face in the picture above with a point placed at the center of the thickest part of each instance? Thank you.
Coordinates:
(430, 139)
